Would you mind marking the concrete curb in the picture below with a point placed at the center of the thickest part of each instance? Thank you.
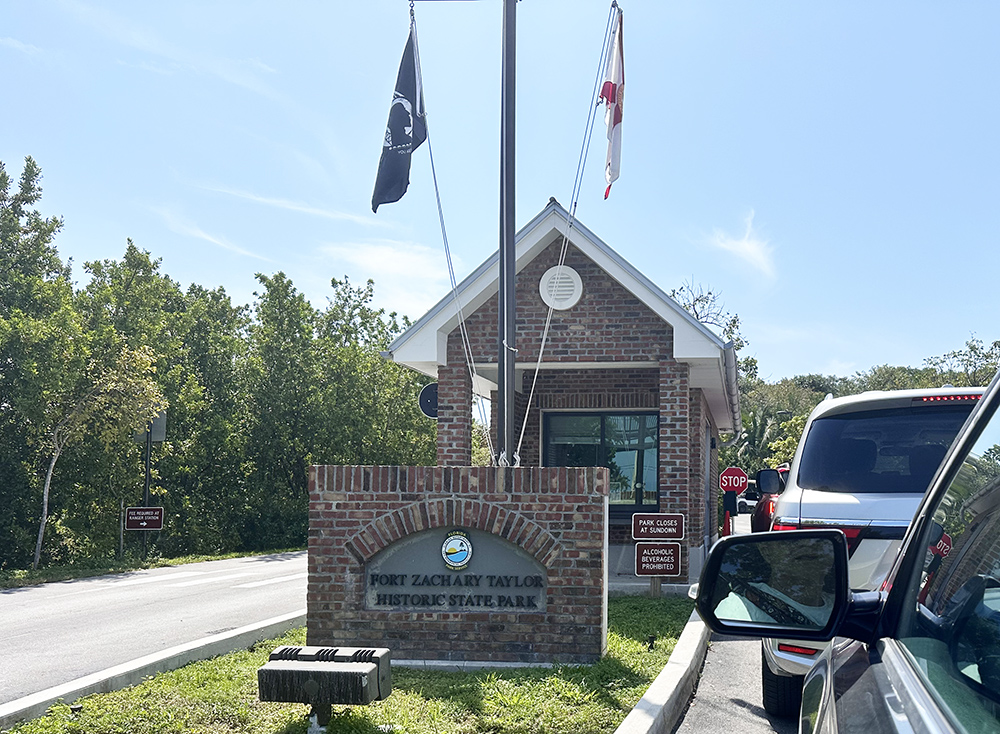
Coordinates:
(659, 710)
(130, 673)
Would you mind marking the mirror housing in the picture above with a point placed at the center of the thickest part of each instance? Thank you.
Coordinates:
(769, 481)
(790, 584)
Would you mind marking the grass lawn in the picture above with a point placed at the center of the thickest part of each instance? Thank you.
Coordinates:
(220, 695)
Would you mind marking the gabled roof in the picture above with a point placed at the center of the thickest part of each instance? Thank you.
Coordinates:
(712, 362)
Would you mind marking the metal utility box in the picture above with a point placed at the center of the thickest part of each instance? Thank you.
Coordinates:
(322, 676)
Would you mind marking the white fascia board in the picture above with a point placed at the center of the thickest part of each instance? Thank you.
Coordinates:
(708, 375)
(425, 342)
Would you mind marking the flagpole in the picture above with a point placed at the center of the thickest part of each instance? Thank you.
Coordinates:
(508, 264)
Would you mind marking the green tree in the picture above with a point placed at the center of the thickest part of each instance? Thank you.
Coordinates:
(103, 399)
(887, 377)
(783, 448)
(284, 381)
(35, 296)
(129, 304)
(706, 306)
(973, 366)
(370, 405)
(202, 462)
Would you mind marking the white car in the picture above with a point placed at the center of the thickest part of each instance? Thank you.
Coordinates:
(863, 465)
(747, 499)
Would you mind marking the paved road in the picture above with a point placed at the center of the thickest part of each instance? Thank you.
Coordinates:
(728, 697)
(54, 633)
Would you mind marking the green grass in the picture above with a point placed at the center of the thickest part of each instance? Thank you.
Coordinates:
(220, 695)
(12, 579)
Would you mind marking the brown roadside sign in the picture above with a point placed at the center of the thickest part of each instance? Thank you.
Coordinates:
(144, 518)
(657, 559)
(657, 526)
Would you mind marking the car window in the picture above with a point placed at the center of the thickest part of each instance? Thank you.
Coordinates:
(895, 450)
(951, 623)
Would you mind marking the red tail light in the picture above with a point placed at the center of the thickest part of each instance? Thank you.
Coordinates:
(796, 649)
(946, 399)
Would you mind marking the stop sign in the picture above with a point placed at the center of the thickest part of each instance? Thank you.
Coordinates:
(733, 479)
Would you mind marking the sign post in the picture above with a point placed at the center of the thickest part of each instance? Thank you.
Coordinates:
(732, 481)
(156, 431)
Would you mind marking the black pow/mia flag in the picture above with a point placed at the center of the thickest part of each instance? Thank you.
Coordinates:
(404, 132)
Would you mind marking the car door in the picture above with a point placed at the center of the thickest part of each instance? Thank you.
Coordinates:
(933, 663)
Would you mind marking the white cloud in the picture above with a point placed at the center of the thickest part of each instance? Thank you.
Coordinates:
(409, 278)
(750, 248)
(25, 48)
(295, 206)
(241, 72)
(183, 227)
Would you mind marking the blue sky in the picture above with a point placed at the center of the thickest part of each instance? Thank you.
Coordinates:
(831, 168)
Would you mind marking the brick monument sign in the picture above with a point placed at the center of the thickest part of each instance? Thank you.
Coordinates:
(460, 564)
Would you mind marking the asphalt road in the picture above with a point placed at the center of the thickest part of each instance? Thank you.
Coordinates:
(729, 697)
(55, 633)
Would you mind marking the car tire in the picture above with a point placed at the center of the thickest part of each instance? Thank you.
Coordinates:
(742, 509)
(782, 693)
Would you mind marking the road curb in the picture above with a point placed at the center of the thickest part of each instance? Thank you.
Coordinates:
(659, 710)
(130, 673)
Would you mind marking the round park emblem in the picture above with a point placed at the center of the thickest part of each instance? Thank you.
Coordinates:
(456, 550)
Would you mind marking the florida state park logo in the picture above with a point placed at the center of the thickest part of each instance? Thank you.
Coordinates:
(456, 550)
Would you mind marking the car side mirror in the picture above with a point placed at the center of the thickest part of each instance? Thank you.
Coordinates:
(789, 584)
(769, 481)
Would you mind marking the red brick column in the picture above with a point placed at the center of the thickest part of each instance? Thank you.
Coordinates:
(454, 421)
(675, 442)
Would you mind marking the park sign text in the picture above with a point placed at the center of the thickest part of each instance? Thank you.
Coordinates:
(657, 558)
(456, 570)
(657, 526)
(144, 518)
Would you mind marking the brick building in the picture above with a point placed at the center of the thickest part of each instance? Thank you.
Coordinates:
(628, 380)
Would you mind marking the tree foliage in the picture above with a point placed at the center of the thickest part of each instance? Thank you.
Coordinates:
(973, 366)
(253, 396)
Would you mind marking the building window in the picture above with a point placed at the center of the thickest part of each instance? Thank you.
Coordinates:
(626, 443)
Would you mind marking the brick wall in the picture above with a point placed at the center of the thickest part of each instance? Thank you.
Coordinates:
(637, 372)
(558, 516)
(608, 324)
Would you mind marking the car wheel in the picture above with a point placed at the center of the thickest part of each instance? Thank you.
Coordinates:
(742, 509)
(782, 693)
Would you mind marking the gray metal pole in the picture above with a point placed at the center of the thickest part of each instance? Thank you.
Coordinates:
(508, 262)
(145, 491)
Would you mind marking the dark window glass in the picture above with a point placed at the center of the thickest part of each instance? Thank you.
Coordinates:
(893, 451)
(626, 443)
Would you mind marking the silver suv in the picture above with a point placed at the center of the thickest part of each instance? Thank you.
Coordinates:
(921, 653)
(863, 465)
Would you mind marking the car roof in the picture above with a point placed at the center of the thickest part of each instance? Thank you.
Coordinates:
(888, 399)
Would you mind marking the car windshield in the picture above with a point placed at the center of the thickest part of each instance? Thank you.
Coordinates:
(895, 450)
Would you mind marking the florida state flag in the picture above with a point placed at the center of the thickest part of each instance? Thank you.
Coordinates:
(404, 132)
(613, 95)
